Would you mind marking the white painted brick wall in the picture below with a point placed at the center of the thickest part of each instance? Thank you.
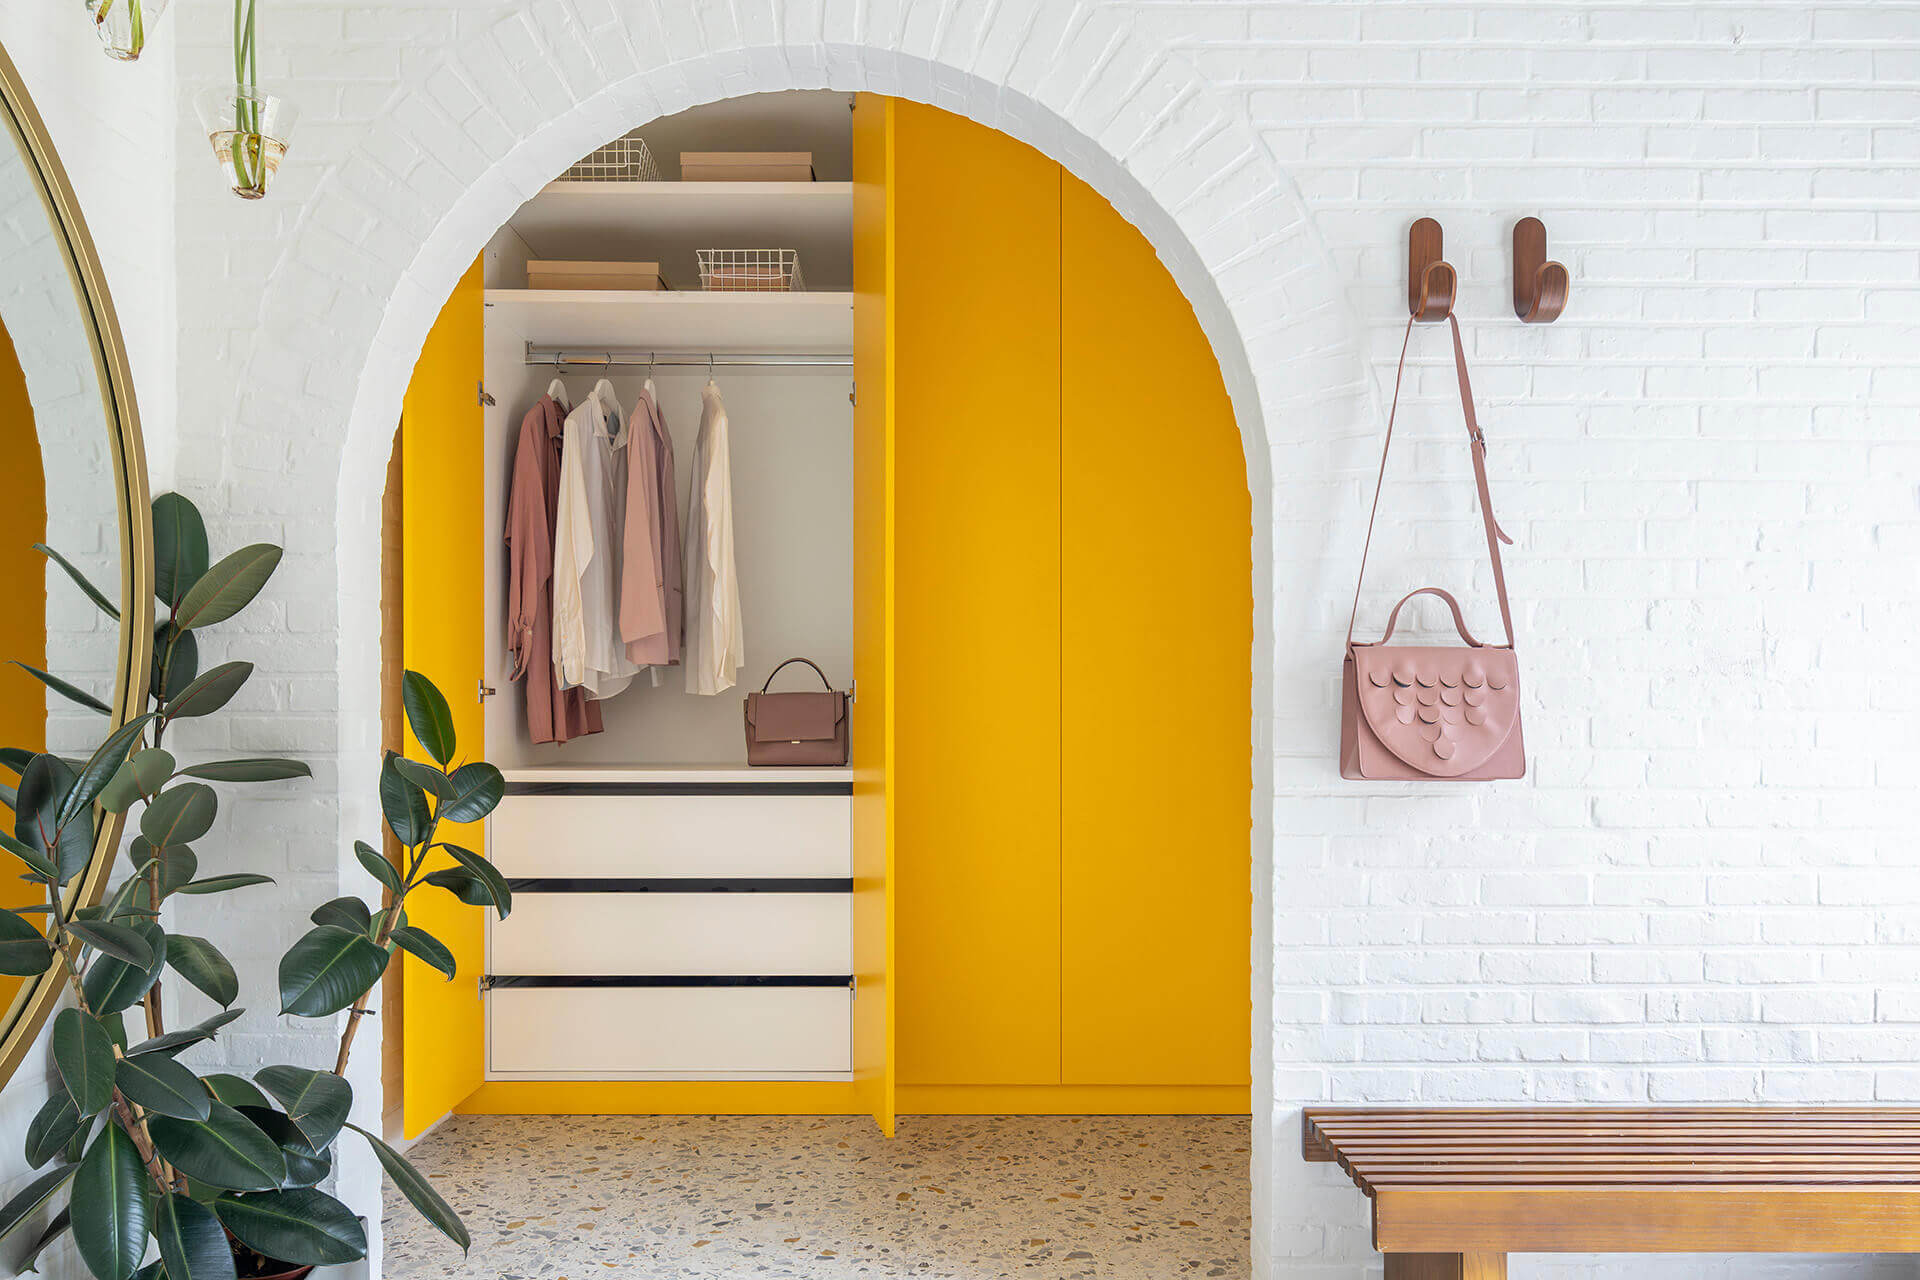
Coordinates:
(1706, 890)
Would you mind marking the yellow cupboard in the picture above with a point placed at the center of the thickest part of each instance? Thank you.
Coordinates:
(1051, 645)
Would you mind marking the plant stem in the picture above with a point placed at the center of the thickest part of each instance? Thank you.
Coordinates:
(359, 1011)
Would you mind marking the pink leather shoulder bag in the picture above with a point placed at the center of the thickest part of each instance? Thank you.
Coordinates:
(1412, 712)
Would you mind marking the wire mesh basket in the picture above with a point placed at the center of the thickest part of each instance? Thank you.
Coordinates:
(750, 270)
(622, 160)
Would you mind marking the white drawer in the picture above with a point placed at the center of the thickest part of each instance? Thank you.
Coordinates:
(575, 1032)
(666, 835)
(673, 933)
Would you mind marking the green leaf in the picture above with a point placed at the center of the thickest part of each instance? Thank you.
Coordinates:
(226, 1150)
(176, 660)
(227, 587)
(109, 1205)
(403, 803)
(100, 768)
(377, 866)
(24, 952)
(418, 1191)
(31, 1197)
(462, 884)
(16, 758)
(52, 1127)
(142, 774)
(43, 791)
(193, 1244)
(180, 815)
(41, 867)
(163, 1086)
(235, 1091)
(316, 1101)
(220, 884)
(210, 692)
(347, 913)
(487, 872)
(83, 1052)
(200, 962)
(179, 548)
(477, 789)
(425, 776)
(301, 1225)
(92, 592)
(328, 970)
(425, 947)
(428, 715)
(117, 940)
(203, 1030)
(72, 693)
(305, 1166)
(250, 770)
(61, 1224)
(113, 984)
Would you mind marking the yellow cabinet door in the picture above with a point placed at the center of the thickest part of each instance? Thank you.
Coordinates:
(1156, 693)
(977, 583)
(873, 506)
(443, 531)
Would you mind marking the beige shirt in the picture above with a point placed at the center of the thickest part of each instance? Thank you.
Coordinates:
(586, 557)
(716, 637)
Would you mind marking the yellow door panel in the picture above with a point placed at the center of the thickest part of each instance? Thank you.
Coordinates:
(977, 682)
(1157, 627)
(443, 539)
(23, 584)
(873, 511)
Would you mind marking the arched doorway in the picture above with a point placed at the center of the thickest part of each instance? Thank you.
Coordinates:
(1112, 513)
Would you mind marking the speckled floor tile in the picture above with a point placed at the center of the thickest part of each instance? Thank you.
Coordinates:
(810, 1197)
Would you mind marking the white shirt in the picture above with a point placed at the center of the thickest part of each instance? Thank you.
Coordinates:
(716, 645)
(587, 651)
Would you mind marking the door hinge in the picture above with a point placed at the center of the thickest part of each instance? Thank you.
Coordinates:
(486, 983)
(853, 987)
(853, 395)
(484, 397)
(486, 690)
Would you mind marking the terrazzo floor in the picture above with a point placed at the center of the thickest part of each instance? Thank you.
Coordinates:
(806, 1197)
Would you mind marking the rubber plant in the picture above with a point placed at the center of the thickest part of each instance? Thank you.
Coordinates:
(218, 1176)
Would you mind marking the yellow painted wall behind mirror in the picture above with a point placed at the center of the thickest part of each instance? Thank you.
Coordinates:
(23, 585)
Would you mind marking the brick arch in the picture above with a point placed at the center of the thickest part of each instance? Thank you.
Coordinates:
(499, 115)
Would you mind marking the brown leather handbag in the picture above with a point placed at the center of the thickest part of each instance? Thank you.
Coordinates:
(796, 729)
(1415, 712)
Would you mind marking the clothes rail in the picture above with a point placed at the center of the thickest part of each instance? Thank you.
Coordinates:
(637, 358)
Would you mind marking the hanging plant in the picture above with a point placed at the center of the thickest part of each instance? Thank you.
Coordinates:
(122, 25)
(248, 128)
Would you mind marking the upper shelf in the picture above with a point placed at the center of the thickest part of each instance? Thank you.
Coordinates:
(591, 319)
(665, 222)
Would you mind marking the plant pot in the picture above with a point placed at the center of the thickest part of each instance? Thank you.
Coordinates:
(124, 25)
(249, 131)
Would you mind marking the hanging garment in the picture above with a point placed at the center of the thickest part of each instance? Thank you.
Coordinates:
(652, 603)
(533, 511)
(586, 558)
(716, 646)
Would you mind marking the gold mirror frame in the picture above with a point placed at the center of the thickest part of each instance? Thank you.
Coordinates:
(37, 996)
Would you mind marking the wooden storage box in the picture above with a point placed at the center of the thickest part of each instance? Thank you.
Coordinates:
(640, 276)
(746, 166)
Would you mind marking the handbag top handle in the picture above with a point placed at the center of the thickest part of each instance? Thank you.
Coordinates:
(789, 662)
(1478, 448)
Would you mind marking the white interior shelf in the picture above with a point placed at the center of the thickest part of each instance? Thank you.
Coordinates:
(592, 319)
(665, 222)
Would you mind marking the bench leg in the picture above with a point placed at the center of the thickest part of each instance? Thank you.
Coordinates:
(1446, 1266)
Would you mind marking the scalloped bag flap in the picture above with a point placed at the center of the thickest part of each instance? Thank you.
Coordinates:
(1443, 711)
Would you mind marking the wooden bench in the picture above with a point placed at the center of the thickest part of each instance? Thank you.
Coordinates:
(1455, 1191)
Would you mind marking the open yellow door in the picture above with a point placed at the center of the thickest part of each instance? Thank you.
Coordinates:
(873, 606)
(442, 628)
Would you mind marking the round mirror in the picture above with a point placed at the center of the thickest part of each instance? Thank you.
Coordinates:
(72, 481)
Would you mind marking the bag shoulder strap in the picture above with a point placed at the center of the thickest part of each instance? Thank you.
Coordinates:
(1477, 447)
(789, 662)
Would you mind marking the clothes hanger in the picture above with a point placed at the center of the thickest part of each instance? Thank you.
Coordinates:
(610, 402)
(647, 386)
(557, 390)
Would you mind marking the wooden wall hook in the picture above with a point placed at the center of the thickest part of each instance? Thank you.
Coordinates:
(1431, 282)
(1540, 288)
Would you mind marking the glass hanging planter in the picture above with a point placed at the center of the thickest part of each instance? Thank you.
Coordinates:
(249, 132)
(123, 25)
(248, 129)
